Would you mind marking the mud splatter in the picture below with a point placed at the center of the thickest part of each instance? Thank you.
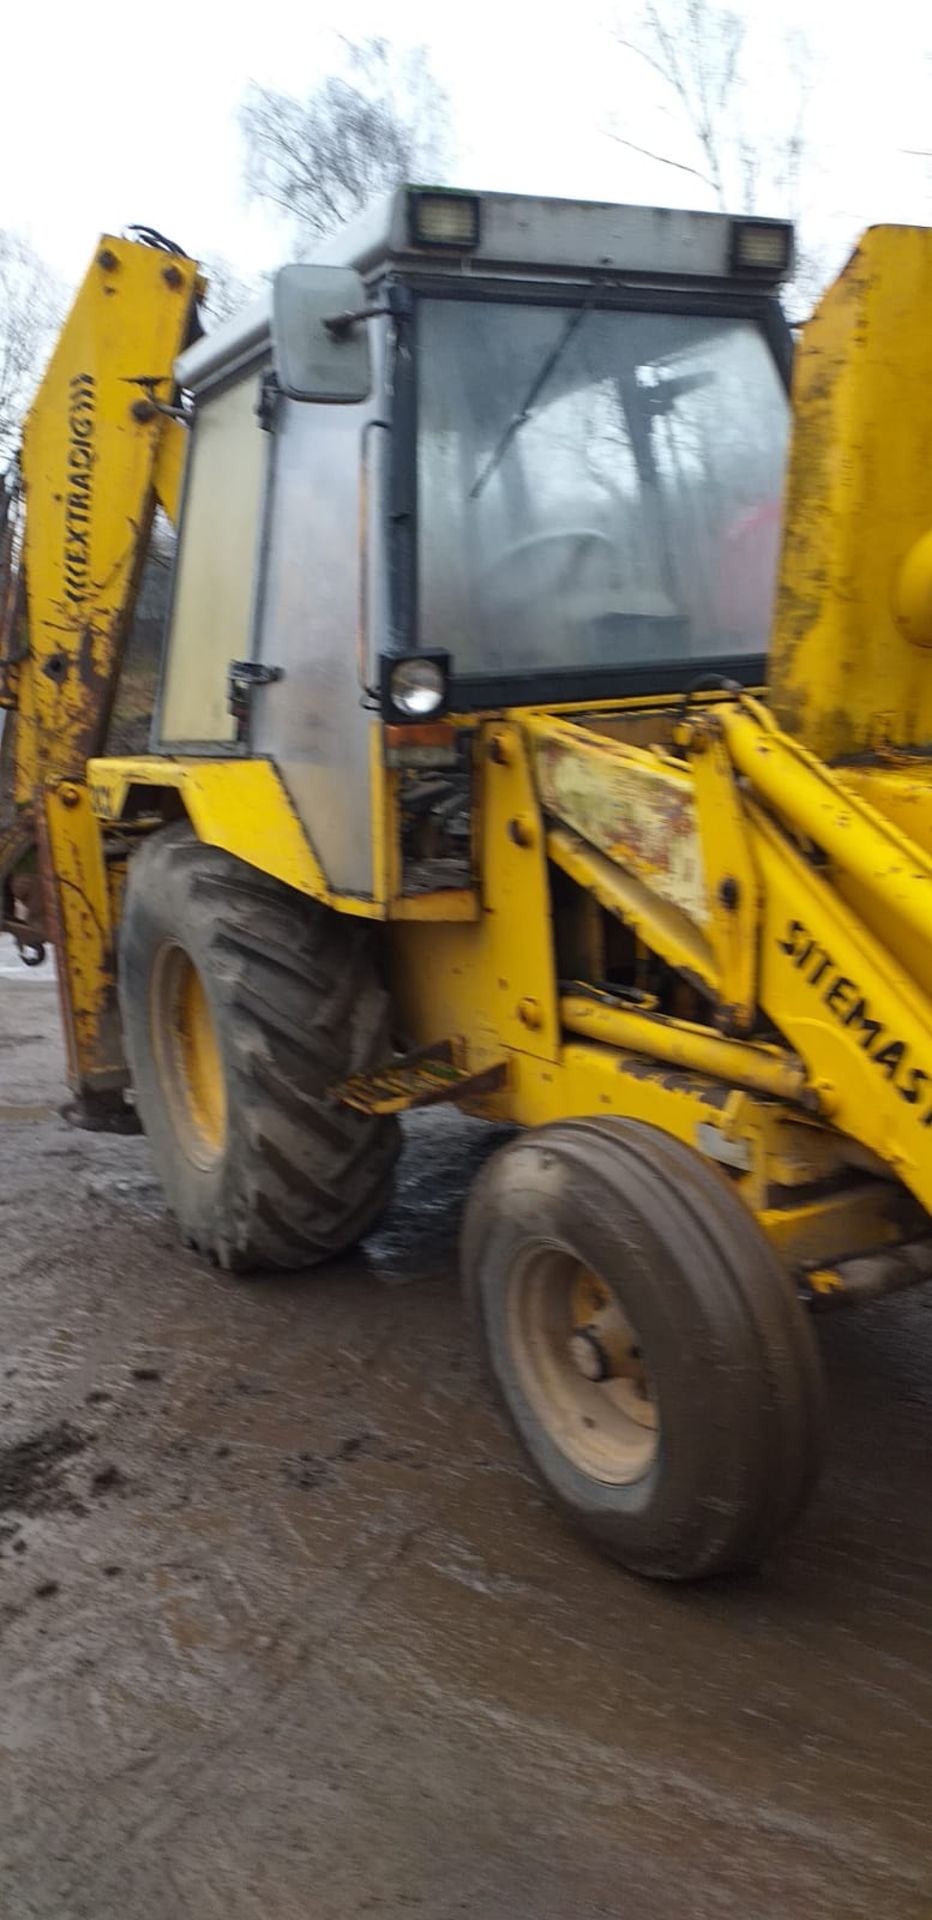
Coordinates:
(32, 1471)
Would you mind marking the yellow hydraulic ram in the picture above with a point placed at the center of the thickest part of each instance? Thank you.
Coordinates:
(761, 1069)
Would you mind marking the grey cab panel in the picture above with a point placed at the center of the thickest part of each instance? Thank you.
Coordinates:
(313, 721)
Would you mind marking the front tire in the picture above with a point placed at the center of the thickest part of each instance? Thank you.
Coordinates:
(649, 1348)
(243, 1003)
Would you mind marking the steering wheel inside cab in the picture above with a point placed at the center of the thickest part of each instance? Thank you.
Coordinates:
(562, 591)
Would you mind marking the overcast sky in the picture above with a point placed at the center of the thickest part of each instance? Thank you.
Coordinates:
(111, 113)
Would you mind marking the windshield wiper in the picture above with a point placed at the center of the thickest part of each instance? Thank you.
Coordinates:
(534, 392)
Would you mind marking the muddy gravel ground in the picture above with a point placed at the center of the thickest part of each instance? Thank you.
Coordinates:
(287, 1630)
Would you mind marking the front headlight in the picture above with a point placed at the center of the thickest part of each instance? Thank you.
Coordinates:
(417, 688)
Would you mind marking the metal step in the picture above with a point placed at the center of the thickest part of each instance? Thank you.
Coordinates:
(420, 1079)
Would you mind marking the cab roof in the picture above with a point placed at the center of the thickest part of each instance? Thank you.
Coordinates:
(518, 238)
(524, 232)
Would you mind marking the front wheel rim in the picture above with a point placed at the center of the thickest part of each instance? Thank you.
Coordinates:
(581, 1367)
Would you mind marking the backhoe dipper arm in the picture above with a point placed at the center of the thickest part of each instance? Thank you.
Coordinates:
(97, 454)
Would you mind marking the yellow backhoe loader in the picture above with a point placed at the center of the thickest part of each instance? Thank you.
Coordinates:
(486, 768)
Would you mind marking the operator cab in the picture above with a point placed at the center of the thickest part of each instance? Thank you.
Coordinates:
(598, 482)
(542, 462)
(598, 400)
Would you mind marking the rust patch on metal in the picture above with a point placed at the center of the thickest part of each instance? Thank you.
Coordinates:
(639, 1066)
(638, 816)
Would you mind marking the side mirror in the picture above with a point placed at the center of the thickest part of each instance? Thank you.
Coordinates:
(314, 361)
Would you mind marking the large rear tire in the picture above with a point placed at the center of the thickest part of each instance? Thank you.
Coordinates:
(243, 1003)
(648, 1346)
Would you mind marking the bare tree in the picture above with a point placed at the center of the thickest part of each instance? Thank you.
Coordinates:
(227, 291)
(382, 119)
(30, 310)
(715, 112)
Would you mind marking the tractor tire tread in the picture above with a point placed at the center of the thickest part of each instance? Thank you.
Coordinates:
(302, 1176)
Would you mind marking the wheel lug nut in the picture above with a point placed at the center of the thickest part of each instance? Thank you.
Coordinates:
(589, 1355)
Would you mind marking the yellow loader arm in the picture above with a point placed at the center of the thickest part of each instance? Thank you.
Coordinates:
(750, 867)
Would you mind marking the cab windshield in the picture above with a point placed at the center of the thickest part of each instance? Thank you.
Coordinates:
(596, 488)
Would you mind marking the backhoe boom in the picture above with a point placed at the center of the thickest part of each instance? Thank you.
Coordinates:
(97, 454)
